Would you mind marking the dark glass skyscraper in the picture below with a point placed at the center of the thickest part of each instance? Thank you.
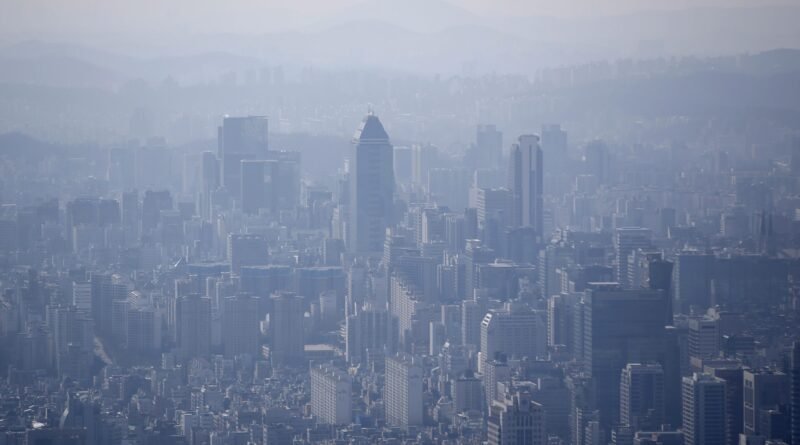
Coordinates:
(372, 187)
(526, 182)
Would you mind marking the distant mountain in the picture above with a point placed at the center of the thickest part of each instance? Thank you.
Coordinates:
(697, 31)
(423, 37)
(414, 15)
(57, 71)
(19, 146)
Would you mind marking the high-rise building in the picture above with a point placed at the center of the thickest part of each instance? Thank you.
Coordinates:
(794, 369)
(495, 370)
(209, 182)
(369, 332)
(240, 325)
(403, 391)
(82, 296)
(192, 326)
(286, 329)
(732, 373)
(495, 210)
(247, 250)
(472, 313)
(516, 419)
(331, 395)
(704, 410)
(526, 182)
(73, 342)
(764, 390)
(693, 276)
(467, 393)
(153, 203)
(618, 327)
(475, 255)
(254, 186)
(372, 187)
(240, 138)
(104, 293)
(642, 397)
(488, 147)
(516, 330)
(626, 241)
(704, 337)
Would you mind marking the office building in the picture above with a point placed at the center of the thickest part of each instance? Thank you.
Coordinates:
(372, 187)
(732, 372)
(626, 241)
(764, 390)
(240, 325)
(642, 397)
(794, 370)
(192, 326)
(369, 332)
(516, 331)
(704, 410)
(247, 250)
(82, 296)
(467, 393)
(526, 182)
(517, 419)
(693, 276)
(618, 327)
(286, 329)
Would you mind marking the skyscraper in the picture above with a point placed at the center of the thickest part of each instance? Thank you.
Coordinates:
(240, 138)
(372, 187)
(642, 397)
(619, 327)
(403, 391)
(209, 182)
(286, 329)
(763, 390)
(733, 374)
(240, 325)
(192, 326)
(794, 369)
(626, 240)
(526, 182)
(704, 410)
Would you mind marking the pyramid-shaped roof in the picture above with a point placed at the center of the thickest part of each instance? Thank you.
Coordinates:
(371, 129)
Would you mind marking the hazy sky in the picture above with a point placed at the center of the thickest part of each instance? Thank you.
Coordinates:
(247, 16)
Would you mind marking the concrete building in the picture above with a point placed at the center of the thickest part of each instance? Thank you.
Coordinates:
(331, 395)
(517, 420)
(403, 392)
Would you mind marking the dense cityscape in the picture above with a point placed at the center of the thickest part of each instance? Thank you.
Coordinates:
(590, 254)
